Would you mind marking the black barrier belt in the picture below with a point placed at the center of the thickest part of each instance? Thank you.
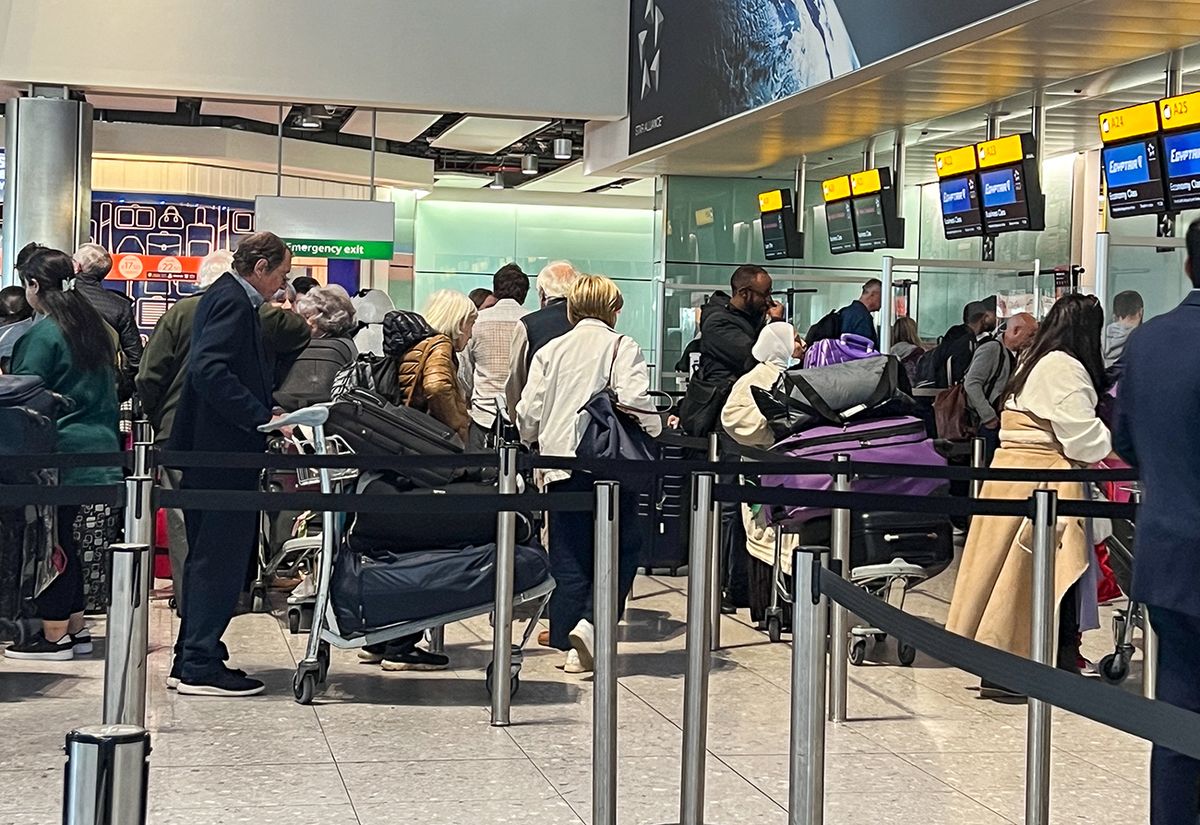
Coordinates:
(45, 461)
(1158, 722)
(19, 495)
(410, 504)
(936, 505)
(280, 461)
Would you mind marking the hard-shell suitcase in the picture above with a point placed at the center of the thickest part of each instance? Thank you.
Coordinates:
(371, 532)
(839, 350)
(372, 426)
(922, 539)
(371, 592)
(667, 516)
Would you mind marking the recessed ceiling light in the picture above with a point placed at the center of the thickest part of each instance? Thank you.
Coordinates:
(497, 181)
(563, 150)
(529, 164)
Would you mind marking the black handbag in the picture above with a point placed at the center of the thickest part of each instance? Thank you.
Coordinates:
(700, 409)
(612, 430)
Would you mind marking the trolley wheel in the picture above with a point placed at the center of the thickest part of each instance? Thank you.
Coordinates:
(258, 600)
(323, 662)
(173, 603)
(774, 629)
(293, 620)
(858, 652)
(880, 638)
(304, 686)
(514, 681)
(1113, 669)
(907, 654)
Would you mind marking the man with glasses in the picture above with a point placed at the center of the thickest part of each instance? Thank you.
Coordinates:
(728, 329)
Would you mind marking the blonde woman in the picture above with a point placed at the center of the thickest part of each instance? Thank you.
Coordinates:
(427, 346)
(564, 374)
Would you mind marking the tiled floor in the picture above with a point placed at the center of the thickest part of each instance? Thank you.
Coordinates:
(380, 748)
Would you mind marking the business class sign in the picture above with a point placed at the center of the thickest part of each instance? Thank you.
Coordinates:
(330, 227)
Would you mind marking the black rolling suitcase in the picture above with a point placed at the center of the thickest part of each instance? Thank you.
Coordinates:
(666, 513)
(372, 426)
(373, 532)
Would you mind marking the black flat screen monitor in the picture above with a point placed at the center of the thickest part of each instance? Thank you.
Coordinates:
(1005, 201)
(839, 218)
(869, 222)
(1134, 177)
(961, 215)
(774, 234)
(1181, 155)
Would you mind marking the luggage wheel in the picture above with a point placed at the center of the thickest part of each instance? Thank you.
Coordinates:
(858, 652)
(300, 618)
(258, 600)
(514, 679)
(774, 625)
(306, 681)
(1113, 668)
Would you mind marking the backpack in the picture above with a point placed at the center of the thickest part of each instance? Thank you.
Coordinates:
(828, 327)
(371, 372)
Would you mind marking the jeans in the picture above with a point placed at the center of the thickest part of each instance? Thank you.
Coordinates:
(1175, 778)
(572, 558)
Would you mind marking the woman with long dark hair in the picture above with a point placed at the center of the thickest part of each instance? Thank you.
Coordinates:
(73, 351)
(1048, 422)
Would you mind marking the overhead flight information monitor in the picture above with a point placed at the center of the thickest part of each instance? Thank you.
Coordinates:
(1009, 187)
(873, 200)
(839, 215)
(958, 187)
(1132, 161)
(781, 237)
(1181, 150)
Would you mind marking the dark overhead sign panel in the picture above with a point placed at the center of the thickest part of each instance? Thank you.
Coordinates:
(1132, 161)
(692, 64)
(958, 187)
(781, 237)
(1009, 186)
(860, 212)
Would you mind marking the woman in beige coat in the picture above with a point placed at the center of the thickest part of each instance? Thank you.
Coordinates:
(1048, 422)
(777, 345)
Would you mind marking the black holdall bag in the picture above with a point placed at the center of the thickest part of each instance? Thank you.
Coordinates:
(700, 409)
(837, 394)
(29, 413)
(830, 326)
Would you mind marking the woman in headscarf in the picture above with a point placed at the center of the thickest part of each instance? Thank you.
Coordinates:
(778, 346)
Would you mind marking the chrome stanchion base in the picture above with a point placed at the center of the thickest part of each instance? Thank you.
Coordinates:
(107, 774)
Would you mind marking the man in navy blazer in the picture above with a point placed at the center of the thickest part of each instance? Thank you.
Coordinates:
(1158, 407)
(226, 396)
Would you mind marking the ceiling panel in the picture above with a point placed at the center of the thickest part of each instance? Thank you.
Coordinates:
(401, 127)
(487, 135)
(947, 88)
(450, 181)
(643, 188)
(569, 178)
(261, 112)
(132, 103)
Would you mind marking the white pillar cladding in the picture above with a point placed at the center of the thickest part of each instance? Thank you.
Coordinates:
(48, 188)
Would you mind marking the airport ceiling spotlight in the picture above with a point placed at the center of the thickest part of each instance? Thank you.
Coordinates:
(314, 117)
(563, 148)
(497, 180)
(529, 164)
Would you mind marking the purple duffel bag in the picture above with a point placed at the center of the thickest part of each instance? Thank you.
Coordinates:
(848, 347)
(899, 440)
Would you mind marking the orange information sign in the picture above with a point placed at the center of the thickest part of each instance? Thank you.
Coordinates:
(130, 267)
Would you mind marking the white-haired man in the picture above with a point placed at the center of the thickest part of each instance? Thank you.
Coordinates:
(160, 378)
(93, 263)
(540, 327)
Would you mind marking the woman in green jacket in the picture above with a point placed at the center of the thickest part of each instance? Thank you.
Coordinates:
(71, 349)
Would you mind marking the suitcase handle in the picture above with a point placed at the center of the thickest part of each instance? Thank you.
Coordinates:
(894, 537)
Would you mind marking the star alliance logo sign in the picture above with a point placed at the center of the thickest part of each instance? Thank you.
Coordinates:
(649, 51)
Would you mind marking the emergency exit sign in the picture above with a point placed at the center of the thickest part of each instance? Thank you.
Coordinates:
(330, 227)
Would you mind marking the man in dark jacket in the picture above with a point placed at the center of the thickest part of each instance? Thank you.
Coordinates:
(856, 318)
(1158, 406)
(93, 263)
(540, 327)
(729, 327)
(226, 397)
(952, 358)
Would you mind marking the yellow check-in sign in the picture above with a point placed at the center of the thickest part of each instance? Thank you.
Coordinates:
(1130, 122)
(836, 189)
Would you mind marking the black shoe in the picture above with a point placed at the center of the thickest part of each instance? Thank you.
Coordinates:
(221, 683)
(414, 658)
(39, 648)
(173, 678)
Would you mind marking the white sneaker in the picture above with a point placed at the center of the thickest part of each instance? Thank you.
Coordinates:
(572, 663)
(83, 642)
(583, 640)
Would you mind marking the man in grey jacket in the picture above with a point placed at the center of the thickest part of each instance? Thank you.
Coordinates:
(991, 367)
(1128, 311)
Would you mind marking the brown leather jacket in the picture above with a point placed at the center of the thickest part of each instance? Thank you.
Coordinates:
(428, 373)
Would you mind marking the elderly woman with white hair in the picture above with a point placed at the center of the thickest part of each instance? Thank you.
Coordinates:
(330, 317)
(92, 264)
(425, 347)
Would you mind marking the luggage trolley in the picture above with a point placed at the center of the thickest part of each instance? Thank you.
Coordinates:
(313, 669)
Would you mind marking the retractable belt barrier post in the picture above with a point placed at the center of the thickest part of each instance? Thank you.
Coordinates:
(839, 675)
(1149, 637)
(129, 611)
(810, 619)
(695, 686)
(978, 461)
(605, 612)
(107, 774)
(1042, 649)
(714, 597)
(506, 543)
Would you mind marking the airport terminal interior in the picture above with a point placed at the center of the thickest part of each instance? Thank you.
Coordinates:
(897, 185)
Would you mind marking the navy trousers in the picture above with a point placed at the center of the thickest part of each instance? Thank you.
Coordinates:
(220, 545)
(572, 558)
(1175, 778)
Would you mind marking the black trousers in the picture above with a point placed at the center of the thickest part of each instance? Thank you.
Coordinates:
(572, 558)
(64, 596)
(1175, 778)
(220, 546)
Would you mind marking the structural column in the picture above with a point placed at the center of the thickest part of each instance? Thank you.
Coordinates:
(48, 191)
